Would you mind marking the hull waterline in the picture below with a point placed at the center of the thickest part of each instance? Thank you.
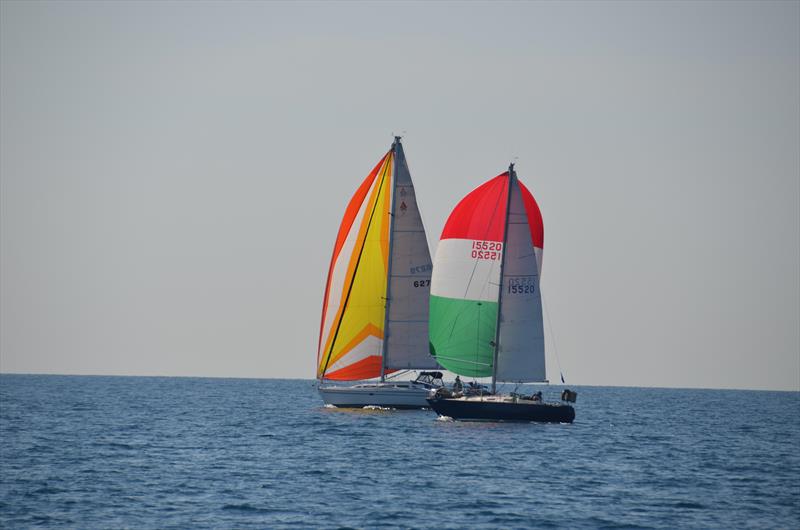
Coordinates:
(377, 395)
(489, 409)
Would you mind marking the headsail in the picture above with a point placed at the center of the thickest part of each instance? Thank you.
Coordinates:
(353, 312)
(376, 260)
(466, 282)
(466, 275)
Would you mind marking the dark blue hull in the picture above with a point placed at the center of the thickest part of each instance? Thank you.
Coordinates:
(460, 409)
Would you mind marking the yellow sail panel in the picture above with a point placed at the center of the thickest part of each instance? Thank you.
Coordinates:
(349, 242)
(358, 255)
(360, 358)
(351, 345)
(366, 304)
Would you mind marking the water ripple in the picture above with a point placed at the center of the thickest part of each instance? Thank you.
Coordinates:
(100, 452)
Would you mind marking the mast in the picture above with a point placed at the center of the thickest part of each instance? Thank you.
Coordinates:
(388, 298)
(511, 178)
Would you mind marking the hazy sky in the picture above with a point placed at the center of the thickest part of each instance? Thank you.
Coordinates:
(173, 175)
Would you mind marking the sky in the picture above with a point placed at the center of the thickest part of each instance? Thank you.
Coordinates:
(172, 176)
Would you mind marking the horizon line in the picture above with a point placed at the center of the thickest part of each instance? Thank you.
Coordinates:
(5, 373)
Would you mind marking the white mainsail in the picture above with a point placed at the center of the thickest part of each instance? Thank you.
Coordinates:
(520, 355)
(406, 343)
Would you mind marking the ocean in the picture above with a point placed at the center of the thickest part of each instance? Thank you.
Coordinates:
(153, 452)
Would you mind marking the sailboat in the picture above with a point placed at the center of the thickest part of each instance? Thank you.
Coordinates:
(375, 311)
(486, 307)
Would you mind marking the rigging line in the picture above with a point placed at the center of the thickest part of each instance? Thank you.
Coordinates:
(552, 335)
(355, 269)
(478, 336)
(503, 256)
(392, 189)
(462, 360)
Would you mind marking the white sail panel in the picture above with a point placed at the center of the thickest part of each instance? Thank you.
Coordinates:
(406, 344)
(460, 274)
(520, 356)
(369, 346)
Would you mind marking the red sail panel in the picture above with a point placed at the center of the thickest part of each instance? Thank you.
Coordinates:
(481, 214)
(534, 216)
(366, 368)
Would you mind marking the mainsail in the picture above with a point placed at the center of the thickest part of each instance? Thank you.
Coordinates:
(485, 309)
(374, 314)
(409, 278)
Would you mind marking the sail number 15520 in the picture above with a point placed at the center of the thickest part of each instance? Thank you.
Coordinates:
(491, 250)
(520, 286)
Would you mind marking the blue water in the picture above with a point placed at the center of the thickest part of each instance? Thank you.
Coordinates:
(109, 452)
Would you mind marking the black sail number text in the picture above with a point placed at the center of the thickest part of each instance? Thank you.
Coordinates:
(520, 286)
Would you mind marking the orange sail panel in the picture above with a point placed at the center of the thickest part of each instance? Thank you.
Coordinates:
(354, 307)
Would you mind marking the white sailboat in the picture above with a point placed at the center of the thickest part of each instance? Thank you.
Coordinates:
(375, 311)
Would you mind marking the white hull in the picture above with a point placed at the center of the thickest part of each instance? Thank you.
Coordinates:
(400, 395)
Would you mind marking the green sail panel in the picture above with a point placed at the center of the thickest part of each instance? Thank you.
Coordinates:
(462, 334)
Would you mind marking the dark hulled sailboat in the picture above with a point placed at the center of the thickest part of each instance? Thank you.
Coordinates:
(486, 307)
